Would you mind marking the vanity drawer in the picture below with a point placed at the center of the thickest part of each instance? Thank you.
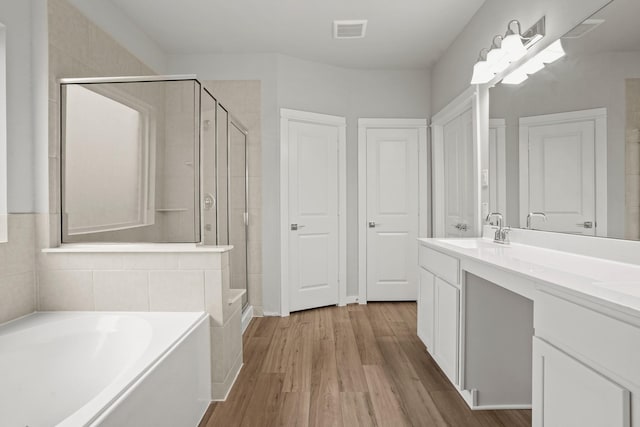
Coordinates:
(443, 266)
(604, 341)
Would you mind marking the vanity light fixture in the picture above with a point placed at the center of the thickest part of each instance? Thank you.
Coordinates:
(550, 54)
(498, 57)
(512, 43)
(515, 78)
(505, 50)
(481, 70)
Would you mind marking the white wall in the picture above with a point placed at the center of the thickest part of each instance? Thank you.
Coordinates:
(452, 73)
(16, 16)
(289, 82)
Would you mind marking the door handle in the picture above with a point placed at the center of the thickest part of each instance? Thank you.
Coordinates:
(586, 224)
(461, 227)
(372, 224)
(295, 227)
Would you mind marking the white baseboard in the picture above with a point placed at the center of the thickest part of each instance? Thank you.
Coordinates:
(352, 299)
(247, 315)
(271, 314)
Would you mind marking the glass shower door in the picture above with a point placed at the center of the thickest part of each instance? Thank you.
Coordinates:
(237, 152)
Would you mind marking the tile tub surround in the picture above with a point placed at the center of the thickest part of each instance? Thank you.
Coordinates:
(148, 277)
(17, 268)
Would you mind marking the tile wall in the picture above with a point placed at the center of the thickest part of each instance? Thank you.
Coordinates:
(632, 172)
(17, 265)
(152, 281)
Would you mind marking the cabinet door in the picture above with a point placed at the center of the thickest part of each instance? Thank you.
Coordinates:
(568, 393)
(425, 308)
(447, 328)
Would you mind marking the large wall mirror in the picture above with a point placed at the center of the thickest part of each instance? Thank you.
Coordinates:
(566, 141)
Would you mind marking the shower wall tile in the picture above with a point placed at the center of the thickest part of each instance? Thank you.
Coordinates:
(17, 295)
(206, 261)
(176, 291)
(135, 281)
(65, 290)
(17, 268)
(121, 290)
(143, 261)
(213, 288)
(632, 158)
(254, 159)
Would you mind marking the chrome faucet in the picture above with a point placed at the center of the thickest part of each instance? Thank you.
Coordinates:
(531, 215)
(502, 234)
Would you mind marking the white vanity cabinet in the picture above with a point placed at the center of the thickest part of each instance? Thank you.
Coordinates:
(567, 392)
(586, 365)
(426, 293)
(439, 309)
(447, 328)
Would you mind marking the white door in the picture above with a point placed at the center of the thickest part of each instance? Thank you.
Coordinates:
(497, 179)
(313, 215)
(392, 214)
(561, 175)
(458, 176)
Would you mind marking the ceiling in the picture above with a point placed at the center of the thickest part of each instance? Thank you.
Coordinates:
(400, 33)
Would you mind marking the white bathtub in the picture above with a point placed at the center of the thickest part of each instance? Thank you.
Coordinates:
(105, 369)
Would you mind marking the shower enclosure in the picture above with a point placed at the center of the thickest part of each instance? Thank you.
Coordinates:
(154, 160)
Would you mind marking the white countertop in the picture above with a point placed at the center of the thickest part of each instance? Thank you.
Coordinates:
(609, 282)
(136, 247)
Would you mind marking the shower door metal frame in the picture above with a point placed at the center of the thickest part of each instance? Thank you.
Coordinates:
(232, 120)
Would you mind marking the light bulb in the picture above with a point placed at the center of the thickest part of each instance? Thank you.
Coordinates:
(552, 53)
(497, 59)
(481, 73)
(512, 44)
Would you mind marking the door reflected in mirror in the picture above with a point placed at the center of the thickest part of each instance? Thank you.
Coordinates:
(566, 141)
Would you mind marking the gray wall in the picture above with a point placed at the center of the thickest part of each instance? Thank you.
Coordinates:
(452, 73)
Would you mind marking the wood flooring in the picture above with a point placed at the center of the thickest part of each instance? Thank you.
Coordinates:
(360, 365)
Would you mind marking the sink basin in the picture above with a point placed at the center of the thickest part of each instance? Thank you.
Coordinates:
(461, 243)
(472, 243)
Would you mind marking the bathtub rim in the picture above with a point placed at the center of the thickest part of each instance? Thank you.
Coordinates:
(131, 386)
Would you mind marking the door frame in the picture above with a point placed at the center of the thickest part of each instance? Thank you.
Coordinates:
(424, 187)
(499, 169)
(473, 98)
(599, 118)
(287, 116)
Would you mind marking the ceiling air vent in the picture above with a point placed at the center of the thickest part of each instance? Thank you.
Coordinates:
(354, 29)
(585, 27)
